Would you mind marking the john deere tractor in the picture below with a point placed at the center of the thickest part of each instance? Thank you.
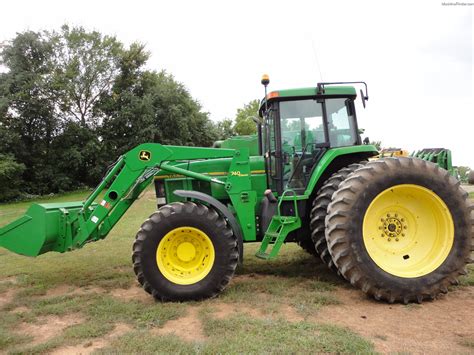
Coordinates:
(398, 228)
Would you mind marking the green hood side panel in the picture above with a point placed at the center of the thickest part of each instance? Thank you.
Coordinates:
(218, 169)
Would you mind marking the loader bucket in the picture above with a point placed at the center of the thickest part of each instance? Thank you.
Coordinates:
(40, 230)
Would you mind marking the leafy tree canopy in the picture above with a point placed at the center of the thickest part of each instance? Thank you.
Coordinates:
(72, 100)
(244, 123)
(225, 128)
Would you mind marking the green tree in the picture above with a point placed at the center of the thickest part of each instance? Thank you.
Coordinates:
(153, 108)
(55, 79)
(225, 128)
(86, 65)
(72, 100)
(463, 173)
(10, 171)
(244, 123)
(377, 144)
(27, 120)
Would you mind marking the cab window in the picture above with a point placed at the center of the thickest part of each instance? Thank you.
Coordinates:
(302, 127)
(341, 122)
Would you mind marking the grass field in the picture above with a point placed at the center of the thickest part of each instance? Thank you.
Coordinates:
(88, 301)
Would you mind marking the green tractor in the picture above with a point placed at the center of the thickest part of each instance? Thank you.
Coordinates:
(399, 229)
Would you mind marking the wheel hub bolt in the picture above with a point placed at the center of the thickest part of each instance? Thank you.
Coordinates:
(392, 225)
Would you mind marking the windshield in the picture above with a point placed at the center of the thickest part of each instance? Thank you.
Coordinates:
(301, 124)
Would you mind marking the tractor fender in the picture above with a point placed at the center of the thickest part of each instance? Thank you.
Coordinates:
(223, 210)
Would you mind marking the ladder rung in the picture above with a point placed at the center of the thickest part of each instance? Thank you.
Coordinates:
(261, 255)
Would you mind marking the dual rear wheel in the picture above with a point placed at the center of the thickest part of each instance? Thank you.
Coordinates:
(400, 229)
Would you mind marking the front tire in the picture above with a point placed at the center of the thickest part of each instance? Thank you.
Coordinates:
(184, 251)
(400, 229)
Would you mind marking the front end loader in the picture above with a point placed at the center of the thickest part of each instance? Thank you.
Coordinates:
(398, 228)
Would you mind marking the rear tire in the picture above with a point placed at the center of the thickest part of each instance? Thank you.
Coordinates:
(184, 251)
(400, 229)
(319, 212)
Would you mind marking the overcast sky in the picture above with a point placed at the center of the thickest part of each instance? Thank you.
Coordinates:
(416, 56)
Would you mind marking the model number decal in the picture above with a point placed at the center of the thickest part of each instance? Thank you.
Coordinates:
(237, 173)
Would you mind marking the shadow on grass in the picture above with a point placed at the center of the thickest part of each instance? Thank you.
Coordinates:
(291, 263)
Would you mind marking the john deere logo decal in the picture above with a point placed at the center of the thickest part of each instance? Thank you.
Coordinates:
(145, 155)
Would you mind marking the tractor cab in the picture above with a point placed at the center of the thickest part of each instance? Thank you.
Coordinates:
(299, 126)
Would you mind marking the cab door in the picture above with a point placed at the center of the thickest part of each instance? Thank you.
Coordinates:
(297, 140)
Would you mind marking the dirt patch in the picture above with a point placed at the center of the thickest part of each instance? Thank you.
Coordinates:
(134, 293)
(432, 327)
(47, 327)
(188, 328)
(89, 347)
(6, 297)
(21, 309)
(69, 290)
(12, 280)
(223, 310)
(290, 314)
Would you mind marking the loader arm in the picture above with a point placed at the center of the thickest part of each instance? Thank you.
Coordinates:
(67, 226)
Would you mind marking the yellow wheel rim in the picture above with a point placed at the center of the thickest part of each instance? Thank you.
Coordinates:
(185, 255)
(408, 231)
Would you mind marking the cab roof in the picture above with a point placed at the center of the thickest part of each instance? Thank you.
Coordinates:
(301, 93)
(312, 91)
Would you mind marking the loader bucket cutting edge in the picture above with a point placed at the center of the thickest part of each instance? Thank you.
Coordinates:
(40, 230)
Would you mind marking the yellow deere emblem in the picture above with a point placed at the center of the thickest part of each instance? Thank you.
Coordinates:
(145, 155)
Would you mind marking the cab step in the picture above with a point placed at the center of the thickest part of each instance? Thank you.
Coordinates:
(277, 231)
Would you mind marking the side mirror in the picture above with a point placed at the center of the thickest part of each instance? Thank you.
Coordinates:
(363, 97)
